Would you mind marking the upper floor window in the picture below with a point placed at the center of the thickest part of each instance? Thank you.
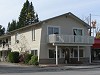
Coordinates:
(78, 32)
(53, 30)
(16, 37)
(33, 34)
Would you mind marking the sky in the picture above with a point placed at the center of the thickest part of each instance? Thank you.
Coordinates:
(10, 9)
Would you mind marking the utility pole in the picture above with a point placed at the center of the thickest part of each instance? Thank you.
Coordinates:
(90, 25)
(90, 35)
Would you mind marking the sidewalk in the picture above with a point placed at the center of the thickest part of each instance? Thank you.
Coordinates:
(51, 67)
(70, 67)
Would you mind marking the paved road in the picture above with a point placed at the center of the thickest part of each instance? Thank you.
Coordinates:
(69, 72)
(11, 69)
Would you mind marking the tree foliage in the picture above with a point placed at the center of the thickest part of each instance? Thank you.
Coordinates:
(13, 57)
(12, 25)
(2, 30)
(27, 16)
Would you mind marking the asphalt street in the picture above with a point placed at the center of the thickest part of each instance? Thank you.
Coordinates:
(12, 69)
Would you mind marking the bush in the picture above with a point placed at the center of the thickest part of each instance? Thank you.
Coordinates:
(27, 58)
(34, 60)
(21, 58)
(13, 57)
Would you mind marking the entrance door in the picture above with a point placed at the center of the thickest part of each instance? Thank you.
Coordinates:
(67, 55)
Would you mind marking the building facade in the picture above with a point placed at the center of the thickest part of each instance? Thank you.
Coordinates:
(58, 40)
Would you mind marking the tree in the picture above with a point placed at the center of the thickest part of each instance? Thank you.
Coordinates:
(2, 30)
(9, 27)
(12, 26)
(22, 45)
(23, 14)
(27, 16)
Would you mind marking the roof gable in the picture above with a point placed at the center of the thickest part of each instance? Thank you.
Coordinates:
(66, 14)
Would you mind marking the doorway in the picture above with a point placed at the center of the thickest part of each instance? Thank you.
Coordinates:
(67, 54)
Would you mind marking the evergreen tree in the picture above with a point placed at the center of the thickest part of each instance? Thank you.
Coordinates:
(27, 16)
(23, 14)
(12, 26)
(9, 27)
(36, 18)
(2, 30)
(31, 14)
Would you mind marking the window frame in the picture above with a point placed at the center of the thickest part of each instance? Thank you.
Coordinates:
(33, 34)
(35, 52)
(79, 53)
(53, 28)
(78, 29)
(59, 53)
(16, 37)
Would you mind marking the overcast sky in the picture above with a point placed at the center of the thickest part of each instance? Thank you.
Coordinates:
(10, 9)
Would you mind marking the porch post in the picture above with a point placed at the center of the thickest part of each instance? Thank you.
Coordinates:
(90, 55)
(56, 55)
(78, 54)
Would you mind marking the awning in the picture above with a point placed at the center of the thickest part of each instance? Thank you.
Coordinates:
(96, 44)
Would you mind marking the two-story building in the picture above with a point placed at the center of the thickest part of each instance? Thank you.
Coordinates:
(58, 40)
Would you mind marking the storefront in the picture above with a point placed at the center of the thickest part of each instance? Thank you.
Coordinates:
(96, 49)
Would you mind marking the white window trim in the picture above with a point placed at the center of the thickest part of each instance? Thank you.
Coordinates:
(79, 50)
(33, 50)
(53, 27)
(33, 34)
(16, 36)
(78, 28)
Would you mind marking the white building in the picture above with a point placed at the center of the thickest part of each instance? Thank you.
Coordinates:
(61, 39)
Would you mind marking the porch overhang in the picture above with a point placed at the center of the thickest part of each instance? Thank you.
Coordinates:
(61, 44)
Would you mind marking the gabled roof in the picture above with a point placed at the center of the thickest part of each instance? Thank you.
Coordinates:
(66, 14)
(78, 19)
(72, 16)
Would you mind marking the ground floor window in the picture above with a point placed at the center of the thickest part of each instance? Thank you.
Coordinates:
(52, 53)
(34, 52)
(81, 53)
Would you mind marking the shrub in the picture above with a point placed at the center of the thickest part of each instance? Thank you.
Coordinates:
(21, 58)
(13, 57)
(34, 60)
(27, 58)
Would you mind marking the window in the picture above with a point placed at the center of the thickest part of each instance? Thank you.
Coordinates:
(53, 30)
(75, 53)
(52, 53)
(77, 31)
(34, 52)
(16, 37)
(62, 53)
(81, 53)
(33, 34)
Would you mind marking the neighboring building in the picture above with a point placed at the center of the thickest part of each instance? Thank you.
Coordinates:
(96, 50)
(61, 39)
(5, 46)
